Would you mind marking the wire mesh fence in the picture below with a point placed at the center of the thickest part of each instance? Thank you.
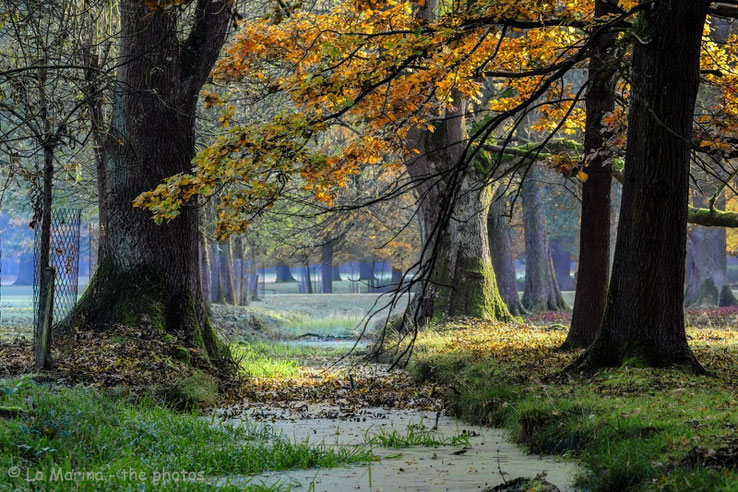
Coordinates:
(64, 255)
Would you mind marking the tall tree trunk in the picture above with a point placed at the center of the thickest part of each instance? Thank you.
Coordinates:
(593, 273)
(468, 288)
(25, 269)
(254, 276)
(217, 289)
(503, 263)
(561, 257)
(149, 275)
(230, 274)
(326, 269)
(462, 282)
(222, 291)
(283, 273)
(474, 289)
(541, 287)
(305, 281)
(206, 268)
(243, 277)
(44, 318)
(644, 317)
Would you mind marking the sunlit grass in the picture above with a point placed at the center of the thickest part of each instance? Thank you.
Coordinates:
(631, 428)
(80, 429)
(262, 360)
(414, 435)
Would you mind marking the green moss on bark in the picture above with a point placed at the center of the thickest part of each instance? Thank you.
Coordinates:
(140, 298)
(475, 291)
(707, 294)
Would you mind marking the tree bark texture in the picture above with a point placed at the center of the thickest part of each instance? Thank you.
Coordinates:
(503, 263)
(643, 322)
(149, 275)
(593, 272)
(462, 282)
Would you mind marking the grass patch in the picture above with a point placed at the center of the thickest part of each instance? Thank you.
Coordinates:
(66, 430)
(263, 360)
(290, 316)
(631, 428)
(414, 435)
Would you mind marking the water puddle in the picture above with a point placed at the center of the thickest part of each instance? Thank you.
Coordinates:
(366, 401)
(488, 460)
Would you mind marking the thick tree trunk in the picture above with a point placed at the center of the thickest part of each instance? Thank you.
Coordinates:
(474, 289)
(25, 270)
(283, 273)
(503, 263)
(541, 287)
(644, 319)
(462, 282)
(149, 275)
(593, 272)
(326, 269)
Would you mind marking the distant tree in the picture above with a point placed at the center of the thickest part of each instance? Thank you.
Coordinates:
(498, 224)
(542, 291)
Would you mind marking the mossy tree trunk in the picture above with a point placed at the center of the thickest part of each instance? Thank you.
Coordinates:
(503, 263)
(594, 235)
(644, 318)
(463, 281)
(149, 275)
(542, 291)
(474, 289)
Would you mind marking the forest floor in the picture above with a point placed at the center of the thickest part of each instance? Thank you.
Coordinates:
(311, 418)
(630, 428)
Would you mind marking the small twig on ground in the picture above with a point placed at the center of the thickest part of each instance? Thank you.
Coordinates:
(499, 468)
